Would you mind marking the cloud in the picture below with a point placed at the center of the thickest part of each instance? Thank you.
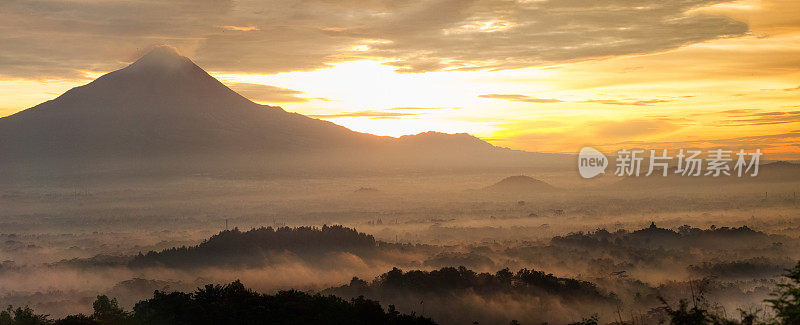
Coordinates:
(739, 111)
(419, 108)
(369, 114)
(268, 94)
(646, 102)
(792, 89)
(513, 34)
(777, 142)
(240, 28)
(633, 128)
(54, 38)
(528, 99)
(765, 118)
(520, 98)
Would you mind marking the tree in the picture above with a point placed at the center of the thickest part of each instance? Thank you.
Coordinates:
(22, 316)
(787, 298)
(684, 315)
(587, 321)
(79, 319)
(108, 311)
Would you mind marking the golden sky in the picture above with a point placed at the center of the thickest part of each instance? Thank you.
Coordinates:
(537, 75)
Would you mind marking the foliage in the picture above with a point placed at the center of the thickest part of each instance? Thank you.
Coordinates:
(787, 298)
(654, 236)
(235, 304)
(587, 321)
(22, 316)
(451, 280)
(234, 247)
(227, 304)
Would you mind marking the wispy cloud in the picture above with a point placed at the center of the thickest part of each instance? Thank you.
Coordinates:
(646, 102)
(767, 141)
(268, 94)
(368, 114)
(633, 128)
(765, 118)
(240, 28)
(738, 111)
(419, 108)
(528, 99)
(520, 98)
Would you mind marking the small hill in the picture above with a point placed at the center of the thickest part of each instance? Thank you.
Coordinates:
(684, 237)
(780, 170)
(457, 295)
(256, 246)
(520, 184)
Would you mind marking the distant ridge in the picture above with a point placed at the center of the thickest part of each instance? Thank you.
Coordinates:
(776, 171)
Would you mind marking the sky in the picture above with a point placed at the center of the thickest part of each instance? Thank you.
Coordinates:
(535, 75)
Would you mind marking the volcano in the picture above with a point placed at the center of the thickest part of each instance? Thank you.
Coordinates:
(164, 106)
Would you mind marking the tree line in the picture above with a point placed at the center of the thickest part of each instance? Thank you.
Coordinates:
(226, 304)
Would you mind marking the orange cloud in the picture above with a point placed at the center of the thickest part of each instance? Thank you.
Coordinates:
(240, 28)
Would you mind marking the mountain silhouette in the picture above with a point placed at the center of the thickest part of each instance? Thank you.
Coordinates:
(163, 106)
(520, 184)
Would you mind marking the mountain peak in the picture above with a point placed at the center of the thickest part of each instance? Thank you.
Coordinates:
(162, 57)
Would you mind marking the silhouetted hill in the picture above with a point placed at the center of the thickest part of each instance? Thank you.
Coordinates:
(520, 184)
(457, 295)
(456, 280)
(654, 236)
(257, 246)
(780, 170)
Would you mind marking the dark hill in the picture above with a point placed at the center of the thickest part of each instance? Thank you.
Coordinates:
(520, 184)
(255, 247)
